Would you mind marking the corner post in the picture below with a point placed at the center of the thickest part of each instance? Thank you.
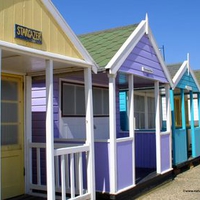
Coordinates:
(192, 125)
(28, 128)
(90, 132)
(50, 132)
(157, 126)
(168, 120)
(183, 109)
(112, 130)
(131, 122)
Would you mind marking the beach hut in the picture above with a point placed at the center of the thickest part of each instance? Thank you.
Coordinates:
(130, 147)
(36, 41)
(185, 133)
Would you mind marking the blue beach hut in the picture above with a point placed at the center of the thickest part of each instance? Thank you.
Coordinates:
(185, 134)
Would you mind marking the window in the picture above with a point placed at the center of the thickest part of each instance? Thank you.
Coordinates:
(73, 100)
(144, 111)
(124, 124)
(139, 105)
(178, 113)
(100, 101)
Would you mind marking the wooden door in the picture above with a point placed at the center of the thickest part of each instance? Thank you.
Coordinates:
(12, 139)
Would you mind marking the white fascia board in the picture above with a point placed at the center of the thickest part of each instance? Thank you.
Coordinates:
(68, 31)
(179, 74)
(43, 54)
(118, 59)
(159, 56)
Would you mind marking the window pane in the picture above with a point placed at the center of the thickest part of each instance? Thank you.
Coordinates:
(97, 101)
(68, 99)
(122, 101)
(151, 112)
(10, 86)
(139, 103)
(9, 112)
(105, 102)
(9, 134)
(139, 111)
(80, 100)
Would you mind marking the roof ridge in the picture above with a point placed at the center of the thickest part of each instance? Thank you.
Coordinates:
(107, 30)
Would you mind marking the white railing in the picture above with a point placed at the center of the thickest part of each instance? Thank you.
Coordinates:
(69, 169)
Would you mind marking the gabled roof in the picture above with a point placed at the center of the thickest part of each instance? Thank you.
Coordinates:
(59, 42)
(67, 30)
(110, 48)
(178, 73)
(103, 45)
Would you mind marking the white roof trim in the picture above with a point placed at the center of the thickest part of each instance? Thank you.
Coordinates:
(68, 31)
(43, 54)
(159, 56)
(185, 66)
(118, 59)
(179, 74)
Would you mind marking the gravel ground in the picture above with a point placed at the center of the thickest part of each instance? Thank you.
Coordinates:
(185, 186)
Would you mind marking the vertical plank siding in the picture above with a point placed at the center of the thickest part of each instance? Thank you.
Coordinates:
(34, 15)
(143, 55)
(124, 158)
(165, 152)
(102, 166)
(180, 146)
(145, 149)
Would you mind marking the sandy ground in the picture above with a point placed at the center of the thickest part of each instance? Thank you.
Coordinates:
(185, 186)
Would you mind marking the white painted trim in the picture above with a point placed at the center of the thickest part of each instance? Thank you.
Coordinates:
(125, 139)
(147, 24)
(118, 59)
(157, 126)
(90, 132)
(185, 66)
(0, 112)
(132, 123)
(188, 63)
(179, 74)
(28, 133)
(168, 170)
(159, 56)
(125, 189)
(168, 119)
(112, 131)
(68, 31)
(43, 54)
(50, 132)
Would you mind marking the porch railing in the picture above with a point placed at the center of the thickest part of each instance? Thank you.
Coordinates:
(70, 169)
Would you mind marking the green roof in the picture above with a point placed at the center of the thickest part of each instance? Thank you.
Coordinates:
(173, 68)
(103, 45)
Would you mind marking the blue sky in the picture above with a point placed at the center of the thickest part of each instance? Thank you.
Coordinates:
(174, 23)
